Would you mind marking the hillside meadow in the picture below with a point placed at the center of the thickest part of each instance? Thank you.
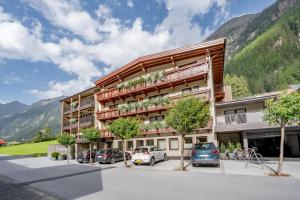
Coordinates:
(36, 149)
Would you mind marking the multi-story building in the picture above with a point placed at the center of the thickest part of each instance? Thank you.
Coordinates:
(242, 121)
(144, 86)
(77, 112)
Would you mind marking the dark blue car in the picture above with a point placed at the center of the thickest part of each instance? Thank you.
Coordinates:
(205, 154)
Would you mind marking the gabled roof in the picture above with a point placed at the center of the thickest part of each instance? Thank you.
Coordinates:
(216, 48)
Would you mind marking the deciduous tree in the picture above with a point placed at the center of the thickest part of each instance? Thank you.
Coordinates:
(283, 111)
(186, 116)
(125, 128)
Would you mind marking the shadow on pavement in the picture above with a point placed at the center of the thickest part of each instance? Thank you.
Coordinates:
(64, 181)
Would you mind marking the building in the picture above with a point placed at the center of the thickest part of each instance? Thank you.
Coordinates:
(141, 87)
(77, 112)
(242, 121)
(2, 142)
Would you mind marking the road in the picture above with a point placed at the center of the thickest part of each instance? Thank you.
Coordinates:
(115, 183)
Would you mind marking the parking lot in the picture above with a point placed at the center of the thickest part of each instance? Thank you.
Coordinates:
(94, 181)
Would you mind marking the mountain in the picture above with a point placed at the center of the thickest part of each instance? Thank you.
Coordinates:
(9, 109)
(264, 48)
(24, 125)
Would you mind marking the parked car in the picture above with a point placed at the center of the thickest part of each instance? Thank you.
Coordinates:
(148, 155)
(111, 156)
(84, 156)
(205, 153)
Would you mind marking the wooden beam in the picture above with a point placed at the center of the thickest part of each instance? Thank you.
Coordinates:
(143, 68)
(173, 61)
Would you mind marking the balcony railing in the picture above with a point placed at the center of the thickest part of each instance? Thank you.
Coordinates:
(106, 133)
(239, 118)
(181, 74)
(86, 103)
(84, 121)
(115, 113)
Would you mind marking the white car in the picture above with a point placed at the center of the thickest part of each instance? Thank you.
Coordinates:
(148, 155)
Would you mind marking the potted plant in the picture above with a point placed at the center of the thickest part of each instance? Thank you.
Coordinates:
(54, 155)
(231, 148)
(239, 151)
(223, 154)
(62, 157)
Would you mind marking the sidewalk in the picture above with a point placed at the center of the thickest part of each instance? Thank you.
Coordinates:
(226, 166)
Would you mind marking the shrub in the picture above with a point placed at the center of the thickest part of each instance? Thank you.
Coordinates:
(222, 148)
(54, 154)
(231, 147)
(238, 145)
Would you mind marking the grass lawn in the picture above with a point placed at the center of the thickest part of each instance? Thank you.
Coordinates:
(27, 149)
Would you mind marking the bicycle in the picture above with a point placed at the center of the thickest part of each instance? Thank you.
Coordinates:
(248, 154)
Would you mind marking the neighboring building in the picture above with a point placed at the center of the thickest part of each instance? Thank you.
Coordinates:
(77, 112)
(2, 142)
(242, 121)
(128, 91)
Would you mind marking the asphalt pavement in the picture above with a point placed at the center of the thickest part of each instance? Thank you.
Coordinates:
(109, 182)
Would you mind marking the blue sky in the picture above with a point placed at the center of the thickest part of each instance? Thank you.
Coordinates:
(52, 48)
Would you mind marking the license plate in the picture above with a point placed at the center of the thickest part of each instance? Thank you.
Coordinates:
(79, 159)
(203, 156)
(138, 161)
(99, 156)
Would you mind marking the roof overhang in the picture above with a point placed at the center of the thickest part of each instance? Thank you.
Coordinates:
(215, 48)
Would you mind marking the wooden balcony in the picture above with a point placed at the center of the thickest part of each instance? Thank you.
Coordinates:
(175, 77)
(87, 103)
(105, 133)
(115, 113)
(84, 104)
(84, 122)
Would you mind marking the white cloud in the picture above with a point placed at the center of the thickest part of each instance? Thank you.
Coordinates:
(9, 79)
(63, 88)
(130, 3)
(105, 39)
(68, 15)
(179, 21)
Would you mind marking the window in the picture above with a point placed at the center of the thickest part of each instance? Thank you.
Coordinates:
(157, 118)
(161, 143)
(139, 143)
(195, 89)
(173, 142)
(129, 145)
(120, 147)
(158, 96)
(149, 142)
(188, 143)
(113, 106)
(235, 116)
(201, 139)
(186, 90)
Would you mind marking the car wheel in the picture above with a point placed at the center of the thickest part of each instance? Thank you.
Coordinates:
(112, 161)
(152, 162)
(129, 157)
(165, 157)
(194, 165)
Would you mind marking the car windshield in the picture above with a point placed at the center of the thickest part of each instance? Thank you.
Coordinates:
(140, 150)
(205, 146)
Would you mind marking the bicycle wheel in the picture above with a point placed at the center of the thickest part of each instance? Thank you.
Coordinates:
(257, 157)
